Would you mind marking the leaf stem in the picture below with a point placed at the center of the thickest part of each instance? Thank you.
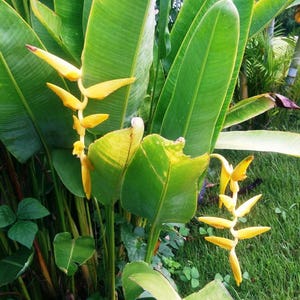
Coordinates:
(153, 238)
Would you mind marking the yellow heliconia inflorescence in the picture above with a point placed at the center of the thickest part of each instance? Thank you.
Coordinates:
(80, 122)
(231, 176)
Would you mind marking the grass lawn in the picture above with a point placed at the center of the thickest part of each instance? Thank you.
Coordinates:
(270, 262)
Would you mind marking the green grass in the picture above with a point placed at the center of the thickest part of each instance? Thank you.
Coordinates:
(272, 260)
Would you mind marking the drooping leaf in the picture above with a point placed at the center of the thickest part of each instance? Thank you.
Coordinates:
(30, 209)
(70, 253)
(247, 109)
(213, 290)
(265, 11)
(164, 179)
(110, 155)
(260, 140)
(118, 44)
(30, 114)
(139, 276)
(7, 216)
(23, 232)
(191, 100)
(13, 266)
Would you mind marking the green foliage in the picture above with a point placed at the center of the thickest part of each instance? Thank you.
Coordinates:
(184, 82)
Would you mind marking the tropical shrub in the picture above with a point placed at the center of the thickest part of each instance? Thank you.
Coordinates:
(109, 61)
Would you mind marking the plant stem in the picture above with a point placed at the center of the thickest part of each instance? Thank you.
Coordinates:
(153, 238)
(110, 234)
(25, 293)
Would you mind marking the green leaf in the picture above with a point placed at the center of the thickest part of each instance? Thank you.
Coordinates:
(248, 108)
(13, 266)
(191, 100)
(118, 44)
(110, 155)
(139, 273)
(164, 178)
(294, 3)
(68, 169)
(265, 11)
(23, 232)
(70, 253)
(30, 114)
(260, 140)
(213, 290)
(7, 216)
(30, 208)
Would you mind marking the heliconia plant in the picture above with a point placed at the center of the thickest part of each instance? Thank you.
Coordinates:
(143, 110)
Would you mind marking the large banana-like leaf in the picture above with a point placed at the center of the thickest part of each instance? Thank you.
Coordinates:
(160, 183)
(194, 92)
(119, 43)
(110, 156)
(265, 11)
(261, 140)
(30, 114)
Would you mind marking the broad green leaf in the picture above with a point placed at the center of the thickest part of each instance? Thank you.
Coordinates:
(7, 216)
(68, 169)
(110, 155)
(118, 44)
(164, 44)
(30, 208)
(194, 94)
(30, 114)
(245, 10)
(23, 232)
(71, 13)
(265, 11)
(70, 253)
(140, 273)
(213, 290)
(13, 266)
(260, 140)
(186, 21)
(248, 108)
(164, 179)
(294, 3)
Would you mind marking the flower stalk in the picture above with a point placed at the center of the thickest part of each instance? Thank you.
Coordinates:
(231, 176)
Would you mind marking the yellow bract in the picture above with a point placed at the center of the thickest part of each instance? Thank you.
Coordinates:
(221, 242)
(248, 233)
(239, 172)
(216, 222)
(78, 148)
(86, 176)
(103, 89)
(61, 66)
(246, 207)
(93, 120)
(235, 266)
(68, 99)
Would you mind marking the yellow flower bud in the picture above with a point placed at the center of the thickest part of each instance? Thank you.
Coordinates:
(235, 266)
(246, 207)
(93, 120)
(63, 67)
(239, 172)
(216, 222)
(248, 233)
(78, 148)
(77, 126)
(68, 99)
(103, 89)
(221, 242)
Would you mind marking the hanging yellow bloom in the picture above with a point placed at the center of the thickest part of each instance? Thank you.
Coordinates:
(221, 242)
(77, 126)
(92, 121)
(228, 202)
(216, 222)
(61, 66)
(103, 89)
(235, 266)
(86, 176)
(68, 99)
(239, 172)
